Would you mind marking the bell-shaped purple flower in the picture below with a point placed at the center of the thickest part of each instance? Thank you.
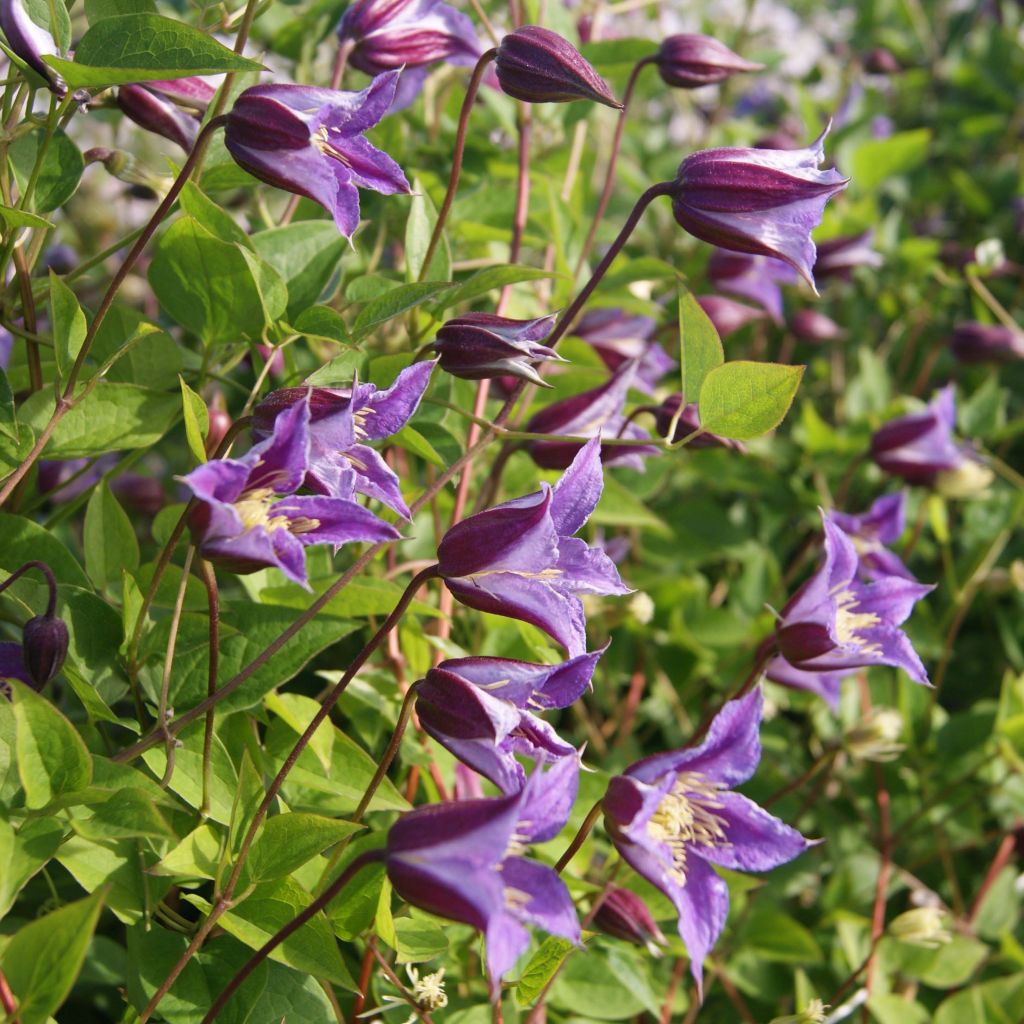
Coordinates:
(672, 816)
(618, 337)
(690, 60)
(463, 861)
(520, 559)
(248, 516)
(871, 531)
(758, 278)
(986, 343)
(480, 346)
(689, 423)
(31, 42)
(624, 915)
(594, 413)
(760, 201)
(484, 711)
(340, 421)
(838, 256)
(728, 315)
(835, 621)
(171, 109)
(310, 141)
(814, 326)
(537, 65)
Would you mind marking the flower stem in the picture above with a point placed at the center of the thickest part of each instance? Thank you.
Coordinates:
(460, 145)
(580, 838)
(51, 583)
(213, 605)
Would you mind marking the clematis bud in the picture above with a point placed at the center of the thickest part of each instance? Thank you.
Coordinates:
(880, 61)
(690, 60)
(31, 42)
(537, 65)
(838, 256)
(479, 346)
(728, 315)
(986, 343)
(813, 1013)
(810, 325)
(158, 107)
(922, 926)
(757, 201)
(44, 642)
(624, 915)
(876, 737)
(688, 423)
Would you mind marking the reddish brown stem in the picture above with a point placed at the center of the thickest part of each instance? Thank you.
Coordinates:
(999, 861)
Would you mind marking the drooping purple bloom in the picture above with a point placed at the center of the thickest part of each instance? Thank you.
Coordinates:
(310, 141)
(248, 516)
(814, 326)
(480, 346)
(838, 256)
(986, 343)
(44, 646)
(594, 413)
(690, 60)
(31, 42)
(520, 558)
(728, 315)
(618, 337)
(537, 65)
(759, 201)
(624, 915)
(687, 424)
(835, 621)
(341, 419)
(484, 711)
(754, 277)
(463, 861)
(871, 531)
(171, 109)
(672, 816)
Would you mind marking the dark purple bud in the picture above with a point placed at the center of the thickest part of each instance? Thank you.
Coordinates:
(138, 493)
(690, 60)
(61, 259)
(687, 424)
(31, 42)
(880, 61)
(537, 65)
(986, 343)
(479, 346)
(838, 256)
(44, 642)
(728, 315)
(803, 641)
(810, 325)
(159, 115)
(624, 915)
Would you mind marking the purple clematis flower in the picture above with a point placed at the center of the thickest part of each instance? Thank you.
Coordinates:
(594, 413)
(483, 710)
(31, 42)
(340, 464)
(672, 816)
(871, 531)
(12, 666)
(757, 278)
(463, 861)
(618, 337)
(690, 61)
(520, 559)
(838, 256)
(310, 141)
(834, 621)
(760, 201)
(826, 685)
(728, 315)
(171, 109)
(480, 346)
(973, 342)
(624, 915)
(249, 517)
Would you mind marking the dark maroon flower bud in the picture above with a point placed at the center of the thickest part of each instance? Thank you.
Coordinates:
(986, 343)
(44, 641)
(810, 325)
(880, 61)
(690, 60)
(537, 65)
(728, 315)
(624, 915)
(688, 423)
(31, 42)
(479, 346)
(157, 114)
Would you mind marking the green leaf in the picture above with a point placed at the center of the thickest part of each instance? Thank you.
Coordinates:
(744, 399)
(619, 506)
(142, 48)
(196, 856)
(54, 18)
(68, 323)
(128, 813)
(419, 226)
(25, 540)
(875, 161)
(287, 841)
(97, 10)
(23, 853)
(541, 968)
(419, 938)
(8, 416)
(394, 303)
(52, 759)
(306, 254)
(774, 935)
(1000, 1001)
(323, 322)
(270, 287)
(43, 959)
(487, 280)
(108, 538)
(197, 421)
(700, 347)
(338, 371)
(297, 711)
(590, 988)
(217, 221)
(617, 53)
(412, 440)
(22, 219)
(60, 172)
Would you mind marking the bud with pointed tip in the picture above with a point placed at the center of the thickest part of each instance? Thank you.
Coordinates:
(690, 60)
(813, 1013)
(537, 65)
(44, 642)
(158, 107)
(922, 926)
(986, 343)
(810, 325)
(728, 315)
(624, 915)
(31, 42)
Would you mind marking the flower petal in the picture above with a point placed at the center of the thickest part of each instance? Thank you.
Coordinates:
(757, 840)
(577, 493)
(549, 906)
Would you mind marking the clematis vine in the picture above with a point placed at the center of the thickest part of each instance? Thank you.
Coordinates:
(673, 816)
(248, 516)
(520, 559)
(871, 531)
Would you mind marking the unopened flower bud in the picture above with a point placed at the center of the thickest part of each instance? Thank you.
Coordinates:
(31, 42)
(986, 343)
(810, 325)
(922, 926)
(728, 315)
(537, 65)
(624, 915)
(813, 1013)
(876, 736)
(157, 113)
(45, 646)
(641, 607)
(479, 346)
(690, 60)
(969, 479)
(881, 61)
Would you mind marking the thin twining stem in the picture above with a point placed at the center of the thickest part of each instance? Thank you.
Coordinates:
(51, 583)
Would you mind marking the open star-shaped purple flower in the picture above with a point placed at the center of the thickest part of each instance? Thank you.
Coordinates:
(871, 531)
(463, 861)
(484, 711)
(835, 621)
(520, 559)
(672, 816)
(341, 419)
(310, 141)
(248, 516)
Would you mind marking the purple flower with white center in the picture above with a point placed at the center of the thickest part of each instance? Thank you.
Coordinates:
(31, 42)
(826, 685)
(760, 201)
(672, 816)
(838, 256)
(690, 60)
(480, 346)
(248, 516)
(463, 861)
(484, 711)
(520, 559)
(871, 531)
(340, 420)
(689, 423)
(310, 141)
(618, 337)
(986, 343)
(813, 326)
(835, 621)
(728, 315)
(594, 413)
(171, 109)
(757, 278)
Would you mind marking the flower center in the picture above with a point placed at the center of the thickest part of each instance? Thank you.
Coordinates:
(253, 509)
(321, 140)
(685, 816)
(428, 991)
(359, 419)
(516, 899)
(850, 623)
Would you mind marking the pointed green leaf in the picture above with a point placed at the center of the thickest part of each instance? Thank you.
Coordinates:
(700, 347)
(197, 421)
(744, 399)
(109, 538)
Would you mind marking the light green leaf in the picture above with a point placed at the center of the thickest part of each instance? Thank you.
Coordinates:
(128, 813)
(541, 968)
(419, 226)
(68, 323)
(875, 161)
(286, 841)
(198, 205)
(419, 939)
(412, 440)
(196, 856)
(109, 538)
(742, 400)
(487, 280)
(306, 254)
(54, 18)
(59, 174)
(23, 853)
(323, 322)
(97, 10)
(22, 219)
(394, 303)
(25, 540)
(197, 421)
(700, 347)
